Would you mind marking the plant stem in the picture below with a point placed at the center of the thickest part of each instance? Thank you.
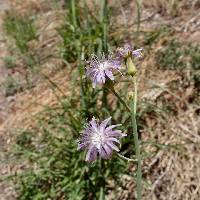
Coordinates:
(125, 158)
(102, 186)
(135, 95)
(139, 10)
(102, 14)
(103, 42)
(119, 98)
(73, 10)
(102, 195)
(136, 141)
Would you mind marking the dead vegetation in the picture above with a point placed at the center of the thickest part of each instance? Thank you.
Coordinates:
(172, 137)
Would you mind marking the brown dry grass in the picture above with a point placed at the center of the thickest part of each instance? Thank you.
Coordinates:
(22, 107)
(172, 172)
(46, 48)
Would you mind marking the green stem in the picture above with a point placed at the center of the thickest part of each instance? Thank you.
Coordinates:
(83, 90)
(103, 6)
(103, 42)
(119, 98)
(139, 10)
(125, 158)
(73, 9)
(136, 141)
(135, 95)
(103, 20)
(104, 98)
(133, 110)
(102, 186)
(102, 194)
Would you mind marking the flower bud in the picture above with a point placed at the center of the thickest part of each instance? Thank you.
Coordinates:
(130, 95)
(131, 68)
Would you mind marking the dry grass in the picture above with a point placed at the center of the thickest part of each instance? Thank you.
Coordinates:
(172, 171)
(23, 106)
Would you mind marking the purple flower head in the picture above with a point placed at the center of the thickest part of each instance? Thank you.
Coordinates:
(100, 139)
(128, 50)
(101, 68)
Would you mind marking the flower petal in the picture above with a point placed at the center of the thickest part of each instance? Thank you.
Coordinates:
(109, 74)
(82, 145)
(116, 133)
(94, 124)
(105, 151)
(101, 68)
(111, 127)
(137, 53)
(104, 123)
(91, 154)
(114, 140)
(98, 139)
(113, 146)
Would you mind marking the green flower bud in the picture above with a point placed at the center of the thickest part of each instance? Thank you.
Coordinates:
(131, 68)
(130, 95)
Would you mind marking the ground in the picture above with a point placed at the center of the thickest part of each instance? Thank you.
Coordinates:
(173, 174)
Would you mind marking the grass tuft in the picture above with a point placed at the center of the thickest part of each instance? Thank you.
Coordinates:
(21, 29)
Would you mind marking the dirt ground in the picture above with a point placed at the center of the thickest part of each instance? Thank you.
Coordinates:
(173, 175)
(3, 51)
(19, 108)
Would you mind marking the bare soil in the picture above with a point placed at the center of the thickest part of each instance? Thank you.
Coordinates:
(172, 174)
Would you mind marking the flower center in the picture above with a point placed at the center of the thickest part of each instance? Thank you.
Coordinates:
(103, 66)
(98, 138)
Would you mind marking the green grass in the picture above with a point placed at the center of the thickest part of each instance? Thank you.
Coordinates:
(177, 56)
(10, 62)
(153, 36)
(180, 56)
(21, 29)
(61, 172)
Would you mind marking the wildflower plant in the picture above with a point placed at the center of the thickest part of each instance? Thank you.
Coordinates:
(128, 51)
(102, 68)
(98, 138)
(63, 172)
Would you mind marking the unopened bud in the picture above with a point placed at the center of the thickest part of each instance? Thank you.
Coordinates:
(130, 95)
(131, 68)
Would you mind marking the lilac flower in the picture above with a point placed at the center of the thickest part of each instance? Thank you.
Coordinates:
(101, 68)
(128, 50)
(100, 139)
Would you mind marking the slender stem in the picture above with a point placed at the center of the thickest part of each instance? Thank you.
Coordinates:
(136, 141)
(119, 98)
(139, 10)
(83, 93)
(133, 110)
(125, 158)
(102, 194)
(104, 98)
(103, 20)
(102, 186)
(73, 9)
(135, 95)
(103, 43)
(102, 14)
